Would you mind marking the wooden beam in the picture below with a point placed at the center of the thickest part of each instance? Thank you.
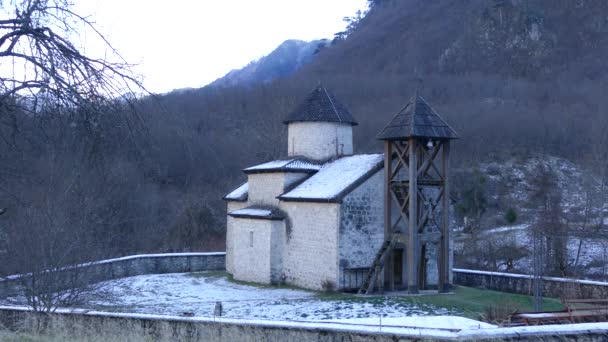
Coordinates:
(444, 248)
(388, 152)
(388, 275)
(401, 155)
(423, 182)
(413, 248)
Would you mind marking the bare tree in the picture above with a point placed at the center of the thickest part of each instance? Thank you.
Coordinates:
(550, 225)
(43, 65)
(61, 198)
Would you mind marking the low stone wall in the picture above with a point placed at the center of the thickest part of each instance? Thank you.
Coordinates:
(85, 325)
(523, 284)
(133, 265)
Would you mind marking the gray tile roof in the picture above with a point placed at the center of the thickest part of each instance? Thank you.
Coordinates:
(321, 106)
(417, 119)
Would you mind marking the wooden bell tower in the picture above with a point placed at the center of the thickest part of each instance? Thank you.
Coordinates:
(416, 188)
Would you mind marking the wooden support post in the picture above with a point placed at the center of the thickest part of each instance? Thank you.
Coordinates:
(413, 248)
(390, 269)
(379, 280)
(444, 246)
(389, 275)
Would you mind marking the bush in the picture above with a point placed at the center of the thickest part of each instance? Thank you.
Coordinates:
(328, 286)
(500, 313)
(510, 216)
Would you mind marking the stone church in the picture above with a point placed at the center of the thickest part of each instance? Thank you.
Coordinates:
(314, 219)
(310, 218)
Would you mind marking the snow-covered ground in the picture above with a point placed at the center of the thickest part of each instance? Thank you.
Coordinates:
(441, 322)
(179, 293)
(171, 296)
(196, 294)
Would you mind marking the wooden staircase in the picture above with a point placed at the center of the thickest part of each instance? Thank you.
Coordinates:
(377, 266)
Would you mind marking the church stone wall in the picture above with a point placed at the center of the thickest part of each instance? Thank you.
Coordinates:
(265, 187)
(277, 241)
(253, 249)
(231, 206)
(311, 244)
(362, 224)
(317, 140)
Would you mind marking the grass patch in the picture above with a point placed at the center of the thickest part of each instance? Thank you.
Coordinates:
(468, 301)
(472, 301)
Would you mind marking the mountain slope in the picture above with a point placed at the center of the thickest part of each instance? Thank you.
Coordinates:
(283, 61)
(497, 103)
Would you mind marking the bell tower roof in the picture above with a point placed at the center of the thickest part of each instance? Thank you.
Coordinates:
(417, 119)
(321, 106)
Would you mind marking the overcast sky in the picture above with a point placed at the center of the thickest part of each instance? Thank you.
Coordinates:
(190, 43)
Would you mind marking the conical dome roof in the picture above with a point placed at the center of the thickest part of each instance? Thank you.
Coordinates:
(321, 106)
(417, 119)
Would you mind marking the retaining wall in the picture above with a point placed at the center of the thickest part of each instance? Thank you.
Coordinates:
(81, 325)
(119, 268)
(523, 284)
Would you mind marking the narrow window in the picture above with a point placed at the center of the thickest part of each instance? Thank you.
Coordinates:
(251, 238)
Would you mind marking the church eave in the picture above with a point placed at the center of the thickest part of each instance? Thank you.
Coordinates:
(254, 217)
(279, 170)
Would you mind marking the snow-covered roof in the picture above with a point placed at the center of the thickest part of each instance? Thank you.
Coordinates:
(288, 165)
(258, 213)
(336, 179)
(239, 194)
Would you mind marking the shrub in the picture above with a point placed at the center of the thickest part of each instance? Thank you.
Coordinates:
(328, 286)
(510, 216)
(500, 313)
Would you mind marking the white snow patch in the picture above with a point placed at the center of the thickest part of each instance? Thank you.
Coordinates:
(176, 293)
(436, 322)
(252, 212)
(335, 177)
(239, 192)
(506, 229)
(289, 164)
(500, 274)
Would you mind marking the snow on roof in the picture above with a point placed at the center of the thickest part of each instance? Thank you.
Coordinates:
(336, 179)
(289, 165)
(238, 194)
(258, 213)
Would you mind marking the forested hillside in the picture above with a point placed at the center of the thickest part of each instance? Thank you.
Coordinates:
(513, 78)
(283, 61)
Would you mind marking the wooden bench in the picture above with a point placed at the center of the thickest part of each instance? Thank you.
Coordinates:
(591, 310)
(568, 302)
(566, 316)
